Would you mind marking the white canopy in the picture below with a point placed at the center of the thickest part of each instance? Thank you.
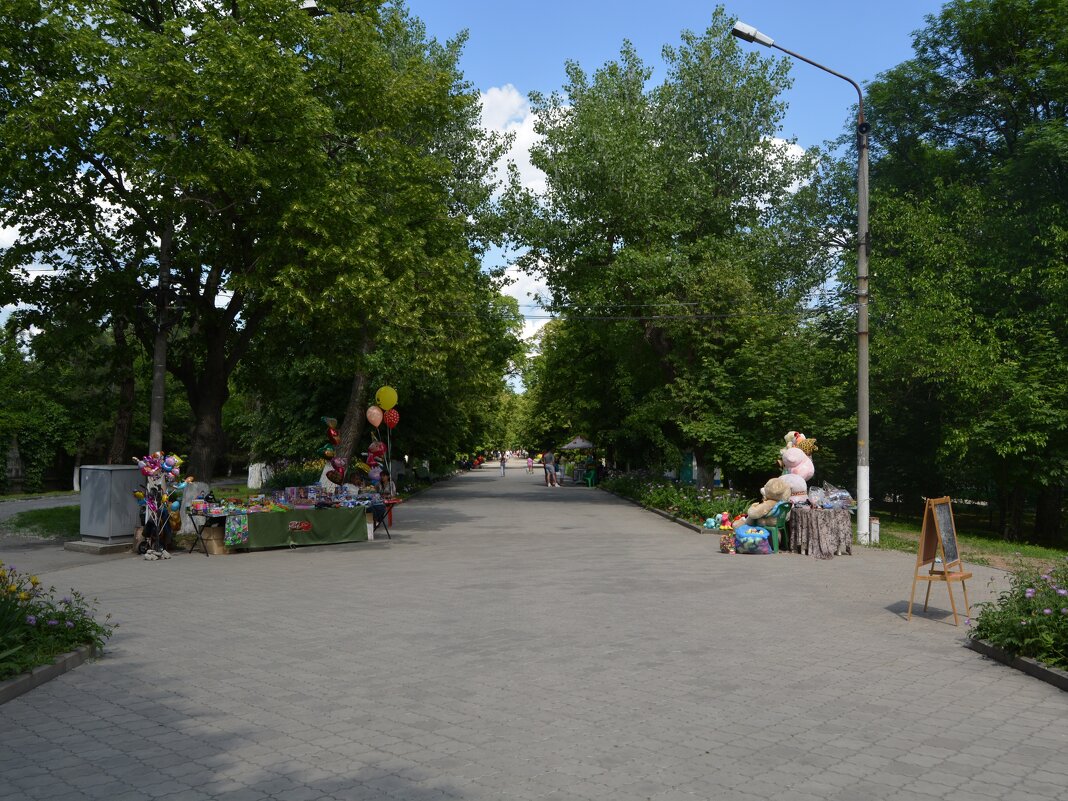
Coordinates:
(578, 443)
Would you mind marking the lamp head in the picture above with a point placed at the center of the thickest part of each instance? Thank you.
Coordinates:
(751, 34)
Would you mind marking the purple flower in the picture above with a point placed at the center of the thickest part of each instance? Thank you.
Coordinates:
(1047, 611)
(65, 601)
(1064, 610)
(1029, 592)
(1044, 577)
(53, 622)
(31, 620)
(69, 624)
(1062, 591)
(1023, 622)
(967, 621)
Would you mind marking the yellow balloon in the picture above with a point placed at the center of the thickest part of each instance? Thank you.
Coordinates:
(386, 397)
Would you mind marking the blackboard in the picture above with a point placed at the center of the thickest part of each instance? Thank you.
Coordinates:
(944, 518)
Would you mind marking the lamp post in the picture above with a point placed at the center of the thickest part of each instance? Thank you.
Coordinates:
(751, 34)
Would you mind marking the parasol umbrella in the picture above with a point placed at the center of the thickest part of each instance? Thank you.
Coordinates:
(577, 444)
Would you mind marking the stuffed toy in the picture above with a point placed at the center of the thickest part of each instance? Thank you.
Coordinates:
(776, 490)
(794, 458)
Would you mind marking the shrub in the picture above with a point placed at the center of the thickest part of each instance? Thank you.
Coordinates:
(294, 474)
(1030, 618)
(683, 500)
(35, 627)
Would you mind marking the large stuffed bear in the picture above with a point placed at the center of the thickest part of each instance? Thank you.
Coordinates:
(795, 460)
(776, 490)
(750, 534)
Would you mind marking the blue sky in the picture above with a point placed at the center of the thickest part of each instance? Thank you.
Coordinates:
(525, 44)
(518, 47)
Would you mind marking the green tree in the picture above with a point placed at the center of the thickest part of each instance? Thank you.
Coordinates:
(969, 202)
(672, 222)
(213, 164)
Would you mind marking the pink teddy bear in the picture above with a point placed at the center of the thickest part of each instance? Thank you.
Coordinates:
(794, 460)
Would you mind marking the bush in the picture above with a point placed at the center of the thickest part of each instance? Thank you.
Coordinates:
(294, 474)
(1030, 618)
(35, 627)
(683, 500)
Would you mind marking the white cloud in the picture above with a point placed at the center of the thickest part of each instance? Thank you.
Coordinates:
(525, 288)
(505, 110)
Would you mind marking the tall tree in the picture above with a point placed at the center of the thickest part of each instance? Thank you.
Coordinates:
(665, 218)
(970, 194)
(223, 162)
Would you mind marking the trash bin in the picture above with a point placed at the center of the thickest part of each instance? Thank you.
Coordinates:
(109, 513)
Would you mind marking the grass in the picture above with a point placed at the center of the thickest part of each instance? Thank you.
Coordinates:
(61, 521)
(977, 546)
(26, 496)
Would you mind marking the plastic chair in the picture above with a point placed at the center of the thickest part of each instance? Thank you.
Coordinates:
(776, 523)
(590, 478)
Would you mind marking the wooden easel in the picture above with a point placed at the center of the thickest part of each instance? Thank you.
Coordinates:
(939, 537)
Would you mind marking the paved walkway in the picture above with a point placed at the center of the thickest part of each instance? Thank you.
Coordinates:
(518, 642)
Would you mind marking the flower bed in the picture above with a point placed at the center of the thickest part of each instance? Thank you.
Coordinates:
(36, 627)
(681, 500)
(1030, 619)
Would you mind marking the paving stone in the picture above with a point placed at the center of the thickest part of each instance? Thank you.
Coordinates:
(514, 642)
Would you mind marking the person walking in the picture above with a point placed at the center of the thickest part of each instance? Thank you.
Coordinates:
(530, 464)
(504, 461)
(548, 461)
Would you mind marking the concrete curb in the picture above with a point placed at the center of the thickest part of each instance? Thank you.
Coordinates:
(1055, 676)
(23, 683)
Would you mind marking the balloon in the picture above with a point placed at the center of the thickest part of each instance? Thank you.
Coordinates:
(374, 416)
(338, 464)
(176, 505)
(331, 422)
(335, 476)
(376, 448)
(375, 474)
(169, 462)
(327, 451)
(363, 466)
(333, 435)
(386, 397)
(391, 418)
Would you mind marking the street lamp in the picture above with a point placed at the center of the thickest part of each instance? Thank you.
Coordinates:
(751, 34)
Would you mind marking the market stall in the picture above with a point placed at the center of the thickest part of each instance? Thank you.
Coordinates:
(319, 518)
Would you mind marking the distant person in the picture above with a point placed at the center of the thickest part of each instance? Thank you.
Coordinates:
(548, 461)
(560, 472)
(530, 465)
(504, 461)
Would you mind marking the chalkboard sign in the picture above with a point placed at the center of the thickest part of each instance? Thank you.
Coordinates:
(939, 534)
(946, 530)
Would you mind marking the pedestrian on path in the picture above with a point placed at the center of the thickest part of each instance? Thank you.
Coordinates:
(548, 461)
(530, 465)
(504, 461)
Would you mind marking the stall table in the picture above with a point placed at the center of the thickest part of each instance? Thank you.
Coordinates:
(296, 527)
(821, 533)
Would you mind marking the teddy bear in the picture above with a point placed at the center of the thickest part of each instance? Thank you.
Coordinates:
(796, 459)
(776, 490)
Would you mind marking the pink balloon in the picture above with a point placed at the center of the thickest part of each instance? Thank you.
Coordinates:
(374, 416)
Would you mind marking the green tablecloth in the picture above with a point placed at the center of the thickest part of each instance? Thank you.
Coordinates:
(271, 529)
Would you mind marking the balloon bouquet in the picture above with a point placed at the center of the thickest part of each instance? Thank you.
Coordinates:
(160, 495)
(378, 452)
(338, 466)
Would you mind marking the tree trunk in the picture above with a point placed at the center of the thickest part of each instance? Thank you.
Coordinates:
(1012, 514)
(120, 436)
(206, 441)
(1048, 516)
(352, 424)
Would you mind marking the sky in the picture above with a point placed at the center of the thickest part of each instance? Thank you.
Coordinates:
(515, 48)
